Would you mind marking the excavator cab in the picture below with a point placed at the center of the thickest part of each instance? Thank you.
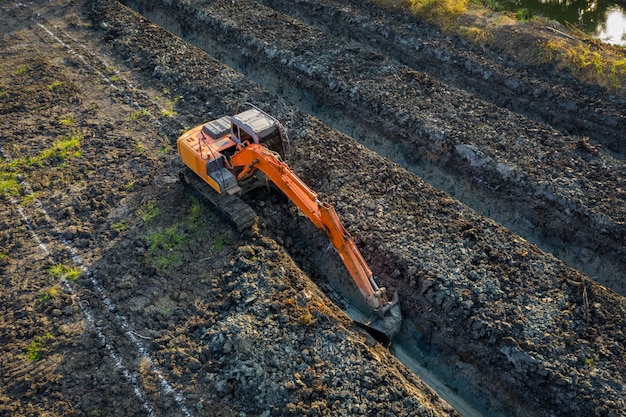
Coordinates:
(256, 126)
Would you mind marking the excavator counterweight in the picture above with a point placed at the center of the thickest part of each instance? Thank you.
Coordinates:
(228, 154)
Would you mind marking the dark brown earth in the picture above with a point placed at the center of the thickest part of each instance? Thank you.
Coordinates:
(175, 313)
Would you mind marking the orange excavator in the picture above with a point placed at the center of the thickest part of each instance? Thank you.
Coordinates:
(235, 154)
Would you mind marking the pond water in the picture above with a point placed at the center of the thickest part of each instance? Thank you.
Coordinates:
(605, 20)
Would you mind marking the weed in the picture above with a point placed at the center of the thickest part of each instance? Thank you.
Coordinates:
(36, 346)
(129, 185)
(115, 79)
(139, 114)
(140, 148)
(29, 198)
(475, 34)
(198, 218)
(196, 212)
(442, 11)
(602, 66)
(548, 51)
(61, 271)
(523, 15)
(618, 73)
(163, 262)
(149, 212)
(166, 239)
(307, 318)
(9, 183)
(591, 66)
(66, 120)
(492, 4)
(22, 70)
(48, 294)
(3, 91)
(168, 113)
(218, 243)
(64, 148)
(120, 226)
(54, 85)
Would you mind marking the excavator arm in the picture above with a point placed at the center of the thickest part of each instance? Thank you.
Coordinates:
(252, 157)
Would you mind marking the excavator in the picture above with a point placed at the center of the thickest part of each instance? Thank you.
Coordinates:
(231, 155)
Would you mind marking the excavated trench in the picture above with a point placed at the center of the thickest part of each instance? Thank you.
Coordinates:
(432, 367)
(505, 211)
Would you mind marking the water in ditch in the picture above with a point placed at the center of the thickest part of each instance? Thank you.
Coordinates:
(605, 20)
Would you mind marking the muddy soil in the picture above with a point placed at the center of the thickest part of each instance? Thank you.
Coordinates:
(124, 294)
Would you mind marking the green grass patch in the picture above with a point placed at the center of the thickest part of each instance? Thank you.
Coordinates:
(162, 246)
(164, 262)
(164, 150)
(62, 149)
(197, 213)
(61, 271)
(166, 244)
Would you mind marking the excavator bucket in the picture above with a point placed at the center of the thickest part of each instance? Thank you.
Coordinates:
(384, 326)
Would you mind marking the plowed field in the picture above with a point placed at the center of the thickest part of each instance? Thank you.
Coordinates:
(488, 192)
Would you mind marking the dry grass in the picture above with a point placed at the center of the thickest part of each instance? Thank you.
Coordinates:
(534, 42)
(442, 12)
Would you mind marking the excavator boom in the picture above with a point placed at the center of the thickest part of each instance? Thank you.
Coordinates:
(254, 157)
